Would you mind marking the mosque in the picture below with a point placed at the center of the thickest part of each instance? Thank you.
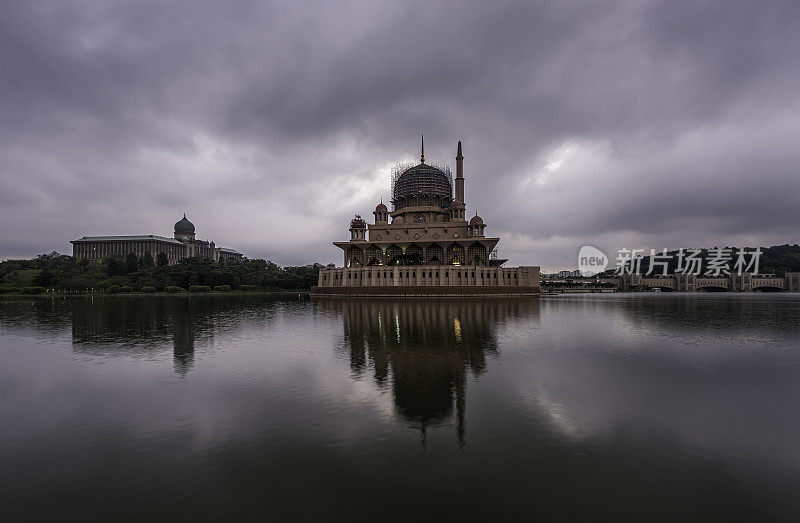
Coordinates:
(425, 244)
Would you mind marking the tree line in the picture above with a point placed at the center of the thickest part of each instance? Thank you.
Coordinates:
(133, 273)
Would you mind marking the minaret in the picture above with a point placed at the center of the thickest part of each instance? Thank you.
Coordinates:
(422, 153)
(459, 175)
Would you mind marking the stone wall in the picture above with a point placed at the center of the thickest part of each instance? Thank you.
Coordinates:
(430, 276)
(425, 291)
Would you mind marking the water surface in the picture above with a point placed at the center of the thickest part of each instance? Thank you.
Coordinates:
(572, 407)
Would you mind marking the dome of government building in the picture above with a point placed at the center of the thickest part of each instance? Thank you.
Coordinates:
(184, 225)
(422, 179)
(476, 220)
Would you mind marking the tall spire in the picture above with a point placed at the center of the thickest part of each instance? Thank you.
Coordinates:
(459, 174)
(422, 153)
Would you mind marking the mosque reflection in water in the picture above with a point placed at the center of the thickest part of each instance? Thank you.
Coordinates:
(426, 350)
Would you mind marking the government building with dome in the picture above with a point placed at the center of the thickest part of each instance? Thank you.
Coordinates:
(183, 244)
(425, 244)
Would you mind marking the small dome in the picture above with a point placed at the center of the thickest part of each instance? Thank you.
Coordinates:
(358, 222)
(476, 220)
(184, 225)
(381, 208)
(457, 205)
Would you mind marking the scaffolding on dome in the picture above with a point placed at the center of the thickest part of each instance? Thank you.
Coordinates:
(402, 167)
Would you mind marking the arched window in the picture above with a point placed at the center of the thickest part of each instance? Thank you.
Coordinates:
(393, 254)
(355, 257)
(434, 254)
(414, 255)
(455, 254)
(476, 254)
(374, 256)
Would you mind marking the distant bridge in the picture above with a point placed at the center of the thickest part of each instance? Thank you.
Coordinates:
(692, 283)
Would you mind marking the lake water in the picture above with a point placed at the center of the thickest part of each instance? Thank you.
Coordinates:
(631, 406)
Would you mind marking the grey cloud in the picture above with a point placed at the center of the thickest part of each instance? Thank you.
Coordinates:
(117, 117)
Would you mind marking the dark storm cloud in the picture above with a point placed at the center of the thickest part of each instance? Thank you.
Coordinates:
(652, 124)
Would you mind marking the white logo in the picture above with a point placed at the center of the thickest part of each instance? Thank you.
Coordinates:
(591, 261)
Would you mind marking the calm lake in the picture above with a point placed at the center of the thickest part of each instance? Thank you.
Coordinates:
(632, 406)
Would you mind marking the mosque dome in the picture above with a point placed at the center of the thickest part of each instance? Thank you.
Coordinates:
(476, 220)
(457, 205)
(423, 179)
(381, 208)
(184, 225)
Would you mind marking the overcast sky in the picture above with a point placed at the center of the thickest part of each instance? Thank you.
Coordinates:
(615, 124)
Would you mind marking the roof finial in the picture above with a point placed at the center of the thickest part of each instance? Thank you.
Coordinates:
(184, 215)
(422, 154)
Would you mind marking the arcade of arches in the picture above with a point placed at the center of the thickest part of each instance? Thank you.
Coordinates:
(417, 254)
